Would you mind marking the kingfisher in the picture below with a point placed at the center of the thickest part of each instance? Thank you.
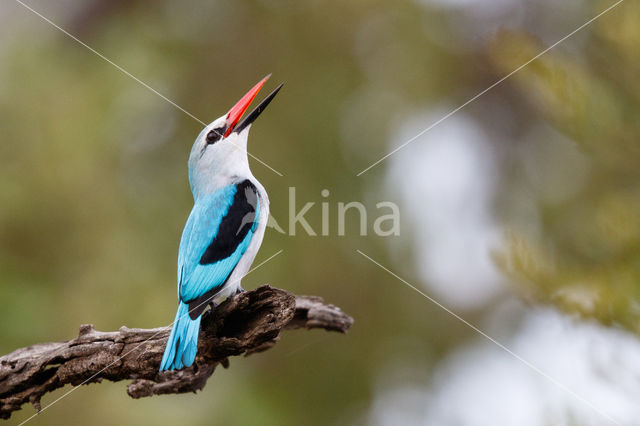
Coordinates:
(225, 227)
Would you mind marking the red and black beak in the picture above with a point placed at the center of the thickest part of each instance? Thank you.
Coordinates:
(236, 112)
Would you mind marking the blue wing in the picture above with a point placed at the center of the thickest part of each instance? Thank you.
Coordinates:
(217, 234)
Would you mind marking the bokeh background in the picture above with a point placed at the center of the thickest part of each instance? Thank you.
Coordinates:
(520, 212)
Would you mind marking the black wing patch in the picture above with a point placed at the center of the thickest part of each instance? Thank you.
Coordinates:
(235, 225)
(198, 305)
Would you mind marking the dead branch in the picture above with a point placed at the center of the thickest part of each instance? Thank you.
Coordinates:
(248, 323)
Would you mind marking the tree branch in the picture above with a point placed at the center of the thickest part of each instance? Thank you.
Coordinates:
(247, 323)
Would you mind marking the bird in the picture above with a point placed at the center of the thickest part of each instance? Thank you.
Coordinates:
(225, 227)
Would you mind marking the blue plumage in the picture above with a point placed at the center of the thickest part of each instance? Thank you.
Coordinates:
(205, 229)
(183, 341)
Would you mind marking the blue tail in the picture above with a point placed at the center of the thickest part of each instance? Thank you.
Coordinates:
(183, 341)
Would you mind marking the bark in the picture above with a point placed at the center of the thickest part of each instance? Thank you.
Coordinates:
(247, 323)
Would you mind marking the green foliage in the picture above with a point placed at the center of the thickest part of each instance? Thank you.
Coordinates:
(587, 256)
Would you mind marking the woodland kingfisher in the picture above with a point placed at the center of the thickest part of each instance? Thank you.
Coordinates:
(225, 228)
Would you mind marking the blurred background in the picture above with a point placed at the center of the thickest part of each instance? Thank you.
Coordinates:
(520, 212)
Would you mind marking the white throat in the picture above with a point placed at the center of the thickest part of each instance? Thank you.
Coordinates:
(214, 166)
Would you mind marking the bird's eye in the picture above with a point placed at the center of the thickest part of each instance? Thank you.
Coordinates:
(214, 136)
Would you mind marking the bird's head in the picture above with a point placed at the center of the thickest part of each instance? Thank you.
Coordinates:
(219, 154)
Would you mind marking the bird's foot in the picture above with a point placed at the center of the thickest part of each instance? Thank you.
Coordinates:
(213, 305)
(240, 290)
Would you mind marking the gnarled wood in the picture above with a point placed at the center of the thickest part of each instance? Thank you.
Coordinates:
(247, 323)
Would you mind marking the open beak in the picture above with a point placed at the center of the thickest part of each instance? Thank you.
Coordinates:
(236, 112)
